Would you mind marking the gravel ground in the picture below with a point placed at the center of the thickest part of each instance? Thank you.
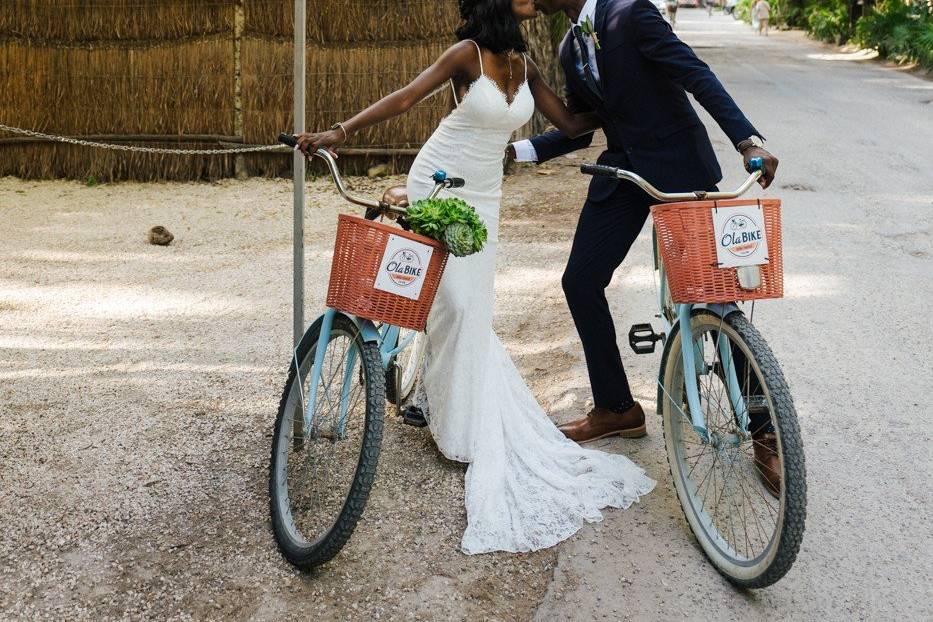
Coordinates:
(139, 385)
(138, 390)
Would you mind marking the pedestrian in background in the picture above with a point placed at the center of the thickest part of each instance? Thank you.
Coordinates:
(670, 7)
(761, 12)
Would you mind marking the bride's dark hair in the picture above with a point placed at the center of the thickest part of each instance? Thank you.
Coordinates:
(491, 24)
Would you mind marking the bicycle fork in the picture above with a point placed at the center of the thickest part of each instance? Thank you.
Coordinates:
(387, 338)
(327, 323)
(692, 353)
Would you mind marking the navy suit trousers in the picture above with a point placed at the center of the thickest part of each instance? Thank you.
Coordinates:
(605, 234)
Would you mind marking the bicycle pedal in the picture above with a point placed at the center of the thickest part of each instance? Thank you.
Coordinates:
(642, 338)
(414, 416)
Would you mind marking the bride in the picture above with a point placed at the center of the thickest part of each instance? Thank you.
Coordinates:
(527, 486)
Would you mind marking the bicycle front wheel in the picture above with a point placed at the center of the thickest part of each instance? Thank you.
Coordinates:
(751, 536)
(320, 474)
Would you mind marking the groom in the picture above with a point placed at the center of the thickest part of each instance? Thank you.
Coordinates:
(623, 62)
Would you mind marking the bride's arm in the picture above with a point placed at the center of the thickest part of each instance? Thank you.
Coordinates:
(452, 62)
(551, 106)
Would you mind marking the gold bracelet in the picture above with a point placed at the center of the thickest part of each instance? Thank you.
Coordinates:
(346, 134)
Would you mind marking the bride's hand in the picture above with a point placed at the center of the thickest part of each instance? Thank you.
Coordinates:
(309, 142)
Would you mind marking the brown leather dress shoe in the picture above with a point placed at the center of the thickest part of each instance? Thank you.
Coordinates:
(603, 422)
(767, 463)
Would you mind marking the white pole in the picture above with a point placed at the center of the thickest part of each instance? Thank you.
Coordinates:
(298, 173)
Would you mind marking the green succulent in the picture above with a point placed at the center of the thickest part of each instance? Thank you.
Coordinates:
(435, 218)
(459, 239)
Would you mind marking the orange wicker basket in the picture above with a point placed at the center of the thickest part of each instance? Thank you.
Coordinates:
(687, 245)
(358, 254)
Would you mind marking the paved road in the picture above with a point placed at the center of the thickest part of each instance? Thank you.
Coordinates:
(855, 141)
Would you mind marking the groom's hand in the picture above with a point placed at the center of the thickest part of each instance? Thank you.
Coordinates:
(770, 168)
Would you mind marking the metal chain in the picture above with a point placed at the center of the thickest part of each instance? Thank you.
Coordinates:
(89, 143)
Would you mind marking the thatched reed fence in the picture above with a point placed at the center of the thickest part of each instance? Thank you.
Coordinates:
(201, 73)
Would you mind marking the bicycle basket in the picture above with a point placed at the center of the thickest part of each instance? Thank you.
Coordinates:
(357, 287)
(687, 242)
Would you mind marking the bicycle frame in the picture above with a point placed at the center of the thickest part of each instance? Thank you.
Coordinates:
(682, 316)
(386, 335)
(683, 312)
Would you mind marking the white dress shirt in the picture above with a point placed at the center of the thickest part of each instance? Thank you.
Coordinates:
(524, 150)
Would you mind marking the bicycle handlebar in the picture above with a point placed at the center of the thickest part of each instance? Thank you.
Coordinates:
(756, 164)
(291, 141)
(441, 180)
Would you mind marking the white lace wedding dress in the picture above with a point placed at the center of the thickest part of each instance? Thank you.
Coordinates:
(527, 486)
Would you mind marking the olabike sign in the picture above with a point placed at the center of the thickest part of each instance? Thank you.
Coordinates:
(403, 268)
(740, 236)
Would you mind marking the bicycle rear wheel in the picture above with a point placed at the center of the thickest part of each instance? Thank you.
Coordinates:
(320, 476)
(750, 537)
(409, 363)
(665, 302)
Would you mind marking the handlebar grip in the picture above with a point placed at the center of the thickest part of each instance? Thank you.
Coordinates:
(599, 169)
(288, 139)
(455, 182)
(756, 164)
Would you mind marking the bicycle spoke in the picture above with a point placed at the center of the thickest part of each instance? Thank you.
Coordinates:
(743, 509)
(702, 453)
(754, 514)
(732, 529)
(748, 544)
(754, 484)
(700, 485)
(772, 510)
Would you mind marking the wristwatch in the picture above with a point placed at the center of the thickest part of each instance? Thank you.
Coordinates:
(751, 141)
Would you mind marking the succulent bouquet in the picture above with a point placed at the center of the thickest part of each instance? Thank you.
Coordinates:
(450, 221)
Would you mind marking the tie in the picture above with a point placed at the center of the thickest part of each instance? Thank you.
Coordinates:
(585, 59)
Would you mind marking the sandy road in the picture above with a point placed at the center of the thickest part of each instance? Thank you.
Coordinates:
(855, 141)
(138, 386)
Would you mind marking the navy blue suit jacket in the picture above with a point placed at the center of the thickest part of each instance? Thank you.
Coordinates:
(651, 128)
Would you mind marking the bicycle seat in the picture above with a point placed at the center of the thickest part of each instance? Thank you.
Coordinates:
(397, 196)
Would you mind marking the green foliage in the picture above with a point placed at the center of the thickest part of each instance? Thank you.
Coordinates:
(790, 13)
(451, 221)
(924, 45)
(91, 181)
(560, 24)
(829, 21)
(900, 31)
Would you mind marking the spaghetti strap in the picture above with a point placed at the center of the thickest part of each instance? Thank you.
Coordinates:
(479, 53)
(525, 56)
(453, 90)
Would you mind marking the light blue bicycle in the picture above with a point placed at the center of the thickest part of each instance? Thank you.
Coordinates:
(328, 431)
(721, 398)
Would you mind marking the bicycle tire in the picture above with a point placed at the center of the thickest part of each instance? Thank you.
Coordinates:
(782, 551)
(309, 554)
(416, 358)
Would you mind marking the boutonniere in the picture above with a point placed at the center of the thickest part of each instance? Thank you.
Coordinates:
(590, 31)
